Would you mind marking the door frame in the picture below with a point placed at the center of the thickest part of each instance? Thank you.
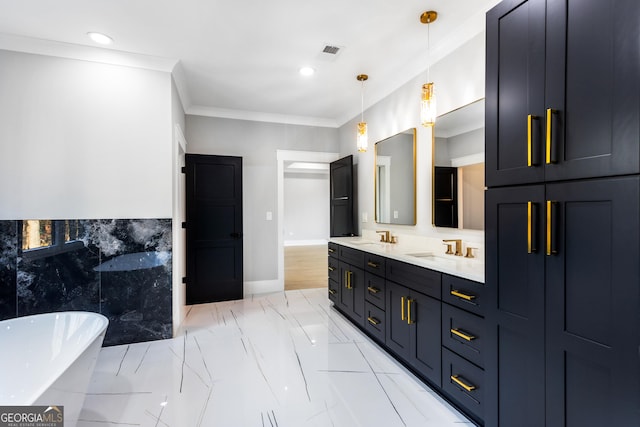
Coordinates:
(179, 269)
(283, 156)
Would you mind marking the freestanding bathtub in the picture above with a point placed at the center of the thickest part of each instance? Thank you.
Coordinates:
(48, 359)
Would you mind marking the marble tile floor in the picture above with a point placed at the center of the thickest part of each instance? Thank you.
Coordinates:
(286, 359)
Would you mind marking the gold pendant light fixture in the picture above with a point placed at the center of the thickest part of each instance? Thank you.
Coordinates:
(362, 138)
(428, 98)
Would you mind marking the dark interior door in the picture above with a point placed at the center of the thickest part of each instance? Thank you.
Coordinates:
(214, 228)
(341, 197)
(445, 204)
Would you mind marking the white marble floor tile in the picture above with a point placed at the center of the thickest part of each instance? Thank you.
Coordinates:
(278, 360)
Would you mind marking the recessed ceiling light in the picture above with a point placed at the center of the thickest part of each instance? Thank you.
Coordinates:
(307, 71)
(100, 38)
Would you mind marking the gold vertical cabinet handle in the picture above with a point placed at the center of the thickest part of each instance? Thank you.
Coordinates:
(372, 264)
(550, 113)
(332, 291)
(459, 294)
(456, 379)
(548, 228)
(402, 317)
(373, 290)
(409, 321)
(373, 320)
(349, 275)
(462, 335)
(529, 227)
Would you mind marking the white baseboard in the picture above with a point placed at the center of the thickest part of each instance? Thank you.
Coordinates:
(305, 242)
(263, 286)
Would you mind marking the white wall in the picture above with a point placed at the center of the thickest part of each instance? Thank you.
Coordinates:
(306, 208)
(80, 139)
(257, 143)
(459, 80)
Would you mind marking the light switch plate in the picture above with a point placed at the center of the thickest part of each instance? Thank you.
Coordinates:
(269, 215)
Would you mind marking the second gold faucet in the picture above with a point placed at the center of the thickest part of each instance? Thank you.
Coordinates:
(386, 236)
(458, 243)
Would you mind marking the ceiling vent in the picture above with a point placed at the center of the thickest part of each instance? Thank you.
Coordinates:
(332, 50)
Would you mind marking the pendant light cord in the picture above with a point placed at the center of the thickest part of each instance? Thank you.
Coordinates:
(428, 52)
(362, 103)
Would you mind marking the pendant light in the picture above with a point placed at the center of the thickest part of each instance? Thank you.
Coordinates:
(428, 97)
(362, 138)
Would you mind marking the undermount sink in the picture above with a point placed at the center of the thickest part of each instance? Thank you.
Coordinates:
(431, 257)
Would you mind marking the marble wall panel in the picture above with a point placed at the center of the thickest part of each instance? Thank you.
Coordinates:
(8, 268)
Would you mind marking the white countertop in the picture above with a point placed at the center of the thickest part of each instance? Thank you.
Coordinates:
(467, 268)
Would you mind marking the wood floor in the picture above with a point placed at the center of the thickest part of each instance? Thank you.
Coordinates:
(305, 267)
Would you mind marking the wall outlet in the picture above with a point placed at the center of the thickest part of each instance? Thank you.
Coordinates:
(395, 214)
(269, 215)
(365, 217)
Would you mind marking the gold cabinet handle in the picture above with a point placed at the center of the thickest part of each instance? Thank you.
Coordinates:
(372, 264)
(402, 317)
(331, 250)
(551, 214)
(373, 320)
(332, 291)
(331, 268)
(373, 290)
(462, 335)
(348, 277)
(532, 221)
(409, 321)
(529, 209)
(530, 159)
(456, 379)
(550, 113)
(459, 294)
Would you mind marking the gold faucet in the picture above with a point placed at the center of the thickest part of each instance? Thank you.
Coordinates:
(385, 237)
(458, 243)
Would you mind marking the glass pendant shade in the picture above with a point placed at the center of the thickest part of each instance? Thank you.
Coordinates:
(428, 105)
(362, 139)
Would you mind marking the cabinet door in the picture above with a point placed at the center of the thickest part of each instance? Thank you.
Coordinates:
(397, 334)
(351, 294)
(592, 304)
(592, 87)
(515, 307)
(424, 317)
(515, 91)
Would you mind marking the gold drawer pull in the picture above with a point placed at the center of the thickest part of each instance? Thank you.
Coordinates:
(332, 269)
(409, 321)
(331, 250)
(462, 335)
(373, 290)
(459, 294)
(372, 264)
(402, 309)
(332, 291)
(467, 387)
(373, 320)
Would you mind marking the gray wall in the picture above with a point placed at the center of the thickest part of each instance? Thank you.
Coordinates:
(306, 207)
(256, 143)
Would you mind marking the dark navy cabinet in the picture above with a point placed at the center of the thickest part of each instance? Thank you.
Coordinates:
(563, 214)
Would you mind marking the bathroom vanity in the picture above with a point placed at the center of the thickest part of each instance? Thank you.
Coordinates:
(425, 308)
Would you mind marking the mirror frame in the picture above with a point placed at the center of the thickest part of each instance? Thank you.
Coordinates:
(433, 165)
(412, 131)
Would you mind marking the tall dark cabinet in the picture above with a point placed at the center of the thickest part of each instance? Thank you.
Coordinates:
(563, 213)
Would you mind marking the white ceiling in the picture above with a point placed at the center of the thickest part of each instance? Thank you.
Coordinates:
(240, 58)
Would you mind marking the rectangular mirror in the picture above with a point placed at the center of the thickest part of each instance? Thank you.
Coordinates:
(458, 168)
(395, 179)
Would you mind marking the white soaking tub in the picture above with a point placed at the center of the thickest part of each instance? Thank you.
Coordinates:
(48, 359)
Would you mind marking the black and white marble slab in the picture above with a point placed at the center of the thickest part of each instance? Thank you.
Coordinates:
(285, 359)
(118, 267)
(8, 268)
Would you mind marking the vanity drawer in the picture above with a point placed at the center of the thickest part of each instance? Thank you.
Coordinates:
(463, 293)
(464, 333)
(375, 321)
(375, 289)
(334, 271)
(375, 264)
(333, 249)
(412, 276)
(351, 256)
(464, 382)
(333, 289)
